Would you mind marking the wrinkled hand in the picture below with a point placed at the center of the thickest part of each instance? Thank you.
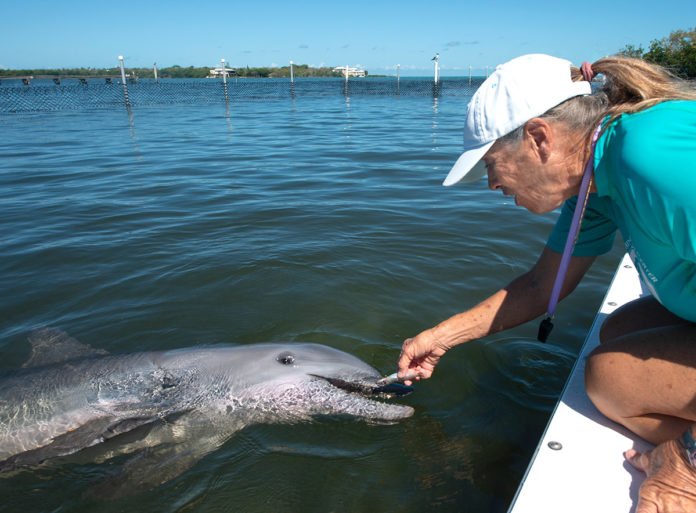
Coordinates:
(420, 355)
(670, 486)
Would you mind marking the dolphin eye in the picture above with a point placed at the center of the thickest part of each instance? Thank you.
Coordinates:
(286, 358)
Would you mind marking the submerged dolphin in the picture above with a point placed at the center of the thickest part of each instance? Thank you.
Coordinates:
(173, 407)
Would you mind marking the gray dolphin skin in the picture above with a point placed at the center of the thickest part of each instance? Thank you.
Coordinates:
(171, 408)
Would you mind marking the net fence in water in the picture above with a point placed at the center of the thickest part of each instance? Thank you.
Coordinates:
(45, 95)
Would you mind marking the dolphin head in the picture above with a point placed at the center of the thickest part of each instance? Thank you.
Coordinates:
(288, 382)
(320, 380)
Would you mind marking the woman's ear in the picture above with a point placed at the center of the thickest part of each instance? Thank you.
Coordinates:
(540, 135)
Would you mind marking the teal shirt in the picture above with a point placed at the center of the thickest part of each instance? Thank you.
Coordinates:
(645, 174)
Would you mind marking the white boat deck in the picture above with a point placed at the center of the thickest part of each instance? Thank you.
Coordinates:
(587, 471)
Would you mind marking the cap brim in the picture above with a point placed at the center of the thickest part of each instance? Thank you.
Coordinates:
(469, 166)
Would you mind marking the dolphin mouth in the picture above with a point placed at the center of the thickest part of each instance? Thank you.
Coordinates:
(369, 388)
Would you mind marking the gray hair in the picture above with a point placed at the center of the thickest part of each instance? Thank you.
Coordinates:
(580, 114)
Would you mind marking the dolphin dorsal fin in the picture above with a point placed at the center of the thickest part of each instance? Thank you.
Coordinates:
(51, 345)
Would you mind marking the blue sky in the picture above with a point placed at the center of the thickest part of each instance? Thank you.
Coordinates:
(375, 35)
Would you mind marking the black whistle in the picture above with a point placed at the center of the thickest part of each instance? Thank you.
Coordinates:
(544, 329)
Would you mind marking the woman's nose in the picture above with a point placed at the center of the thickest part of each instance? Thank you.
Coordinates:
(493, 183)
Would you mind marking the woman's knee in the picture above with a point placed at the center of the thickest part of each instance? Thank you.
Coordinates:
(599, 374)
(609, 381)
(621, 321)
(609, 330)
(640, 314)
(596, 373)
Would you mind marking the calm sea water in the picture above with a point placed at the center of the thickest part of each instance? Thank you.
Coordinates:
(318, 219)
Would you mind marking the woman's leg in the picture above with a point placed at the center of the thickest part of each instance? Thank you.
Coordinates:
(643, 375)
(638, 315)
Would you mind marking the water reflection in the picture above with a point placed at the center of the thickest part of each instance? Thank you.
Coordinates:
(134, 139)
(435, 123)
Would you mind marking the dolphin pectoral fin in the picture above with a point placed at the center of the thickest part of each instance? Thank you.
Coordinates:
(153, 467)
(90, 434)
(68, 443)
(126, 425)
(51, 345)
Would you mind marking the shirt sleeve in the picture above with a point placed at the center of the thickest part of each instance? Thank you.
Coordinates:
(597, 231)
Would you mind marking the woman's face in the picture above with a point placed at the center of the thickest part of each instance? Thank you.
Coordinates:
(532, 171)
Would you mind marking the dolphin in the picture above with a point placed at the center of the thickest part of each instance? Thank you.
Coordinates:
(173, 407)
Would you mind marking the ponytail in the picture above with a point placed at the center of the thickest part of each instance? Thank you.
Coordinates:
(629, 86)
(632, 85)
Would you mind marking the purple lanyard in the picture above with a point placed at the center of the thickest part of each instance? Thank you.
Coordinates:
(546, 325)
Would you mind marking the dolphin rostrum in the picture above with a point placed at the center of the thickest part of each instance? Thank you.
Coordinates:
(173, 407)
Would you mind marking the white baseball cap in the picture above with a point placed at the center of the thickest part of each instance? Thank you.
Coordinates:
(519, 90)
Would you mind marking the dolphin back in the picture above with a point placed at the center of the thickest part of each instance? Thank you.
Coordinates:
(54, 406)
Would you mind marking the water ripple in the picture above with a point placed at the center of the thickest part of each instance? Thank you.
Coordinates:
(320, 220)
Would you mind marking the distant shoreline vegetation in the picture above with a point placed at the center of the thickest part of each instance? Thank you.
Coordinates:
(299, 70)
(677, 52)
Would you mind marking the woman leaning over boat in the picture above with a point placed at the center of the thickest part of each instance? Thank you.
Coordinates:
(622, 158)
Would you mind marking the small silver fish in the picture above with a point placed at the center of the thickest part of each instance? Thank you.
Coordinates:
(393, 378)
